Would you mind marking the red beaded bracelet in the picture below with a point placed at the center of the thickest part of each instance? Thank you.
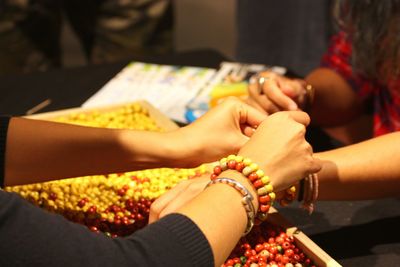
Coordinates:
(260, 181)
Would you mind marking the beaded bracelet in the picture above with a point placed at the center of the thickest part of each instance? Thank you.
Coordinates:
(310, 192)
(290, 195)
(260, 181)
(246, 200)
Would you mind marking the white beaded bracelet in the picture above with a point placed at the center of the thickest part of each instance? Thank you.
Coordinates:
(246, 200)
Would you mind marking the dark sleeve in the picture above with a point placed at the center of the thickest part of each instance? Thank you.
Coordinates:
(30, 236)
(3, 137)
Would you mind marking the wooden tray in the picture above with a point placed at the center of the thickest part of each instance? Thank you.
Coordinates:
(312, 250)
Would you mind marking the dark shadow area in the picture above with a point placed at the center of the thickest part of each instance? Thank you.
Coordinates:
(357, 241)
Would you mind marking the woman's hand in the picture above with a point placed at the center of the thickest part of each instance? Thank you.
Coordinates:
(278, 146)
(276, 93)
(221, 131)
(178, 196)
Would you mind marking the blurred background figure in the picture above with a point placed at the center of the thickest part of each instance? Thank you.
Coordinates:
(288, 33)
(108, 30)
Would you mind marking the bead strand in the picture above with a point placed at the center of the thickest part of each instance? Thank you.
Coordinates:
(257, 177)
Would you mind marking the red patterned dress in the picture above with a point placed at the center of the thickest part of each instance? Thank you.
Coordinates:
(385, 98)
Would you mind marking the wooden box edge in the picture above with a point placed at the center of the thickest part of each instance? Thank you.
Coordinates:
(161, 120)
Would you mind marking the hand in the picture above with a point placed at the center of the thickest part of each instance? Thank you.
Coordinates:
(279, 148)
(178, 196)
(277, 93)
(220, 132)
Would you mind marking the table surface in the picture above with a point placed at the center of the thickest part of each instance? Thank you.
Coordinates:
(355, 233)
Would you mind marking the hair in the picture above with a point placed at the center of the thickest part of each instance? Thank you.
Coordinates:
(374, 29)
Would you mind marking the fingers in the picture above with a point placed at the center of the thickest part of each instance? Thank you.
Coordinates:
(261, 100)
(272, 89)
(158, 206)
(300, 117)
(249, 115)
(251, 102)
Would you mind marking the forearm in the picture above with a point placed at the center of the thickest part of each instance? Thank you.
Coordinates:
(218, 212)
(37, 151)
(365, 170)
(51, 240)
(335, 102)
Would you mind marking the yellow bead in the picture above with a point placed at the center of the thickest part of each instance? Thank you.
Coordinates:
(269, 188)
(231, 157)
(247, 170)
(272, 195)
(254, 166)
(265, 179)
(247, 161)
(239, 159)
(260, 173)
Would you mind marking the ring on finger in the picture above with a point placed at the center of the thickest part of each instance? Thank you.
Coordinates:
(259, 80)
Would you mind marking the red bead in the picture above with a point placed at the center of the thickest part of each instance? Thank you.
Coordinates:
(264, 208)
(278, 257)
(258, 183)
(239, 166)
(213, 176)
(264, 199)
(279, 240)
(217, 170)
(289, 252)
(286, 245)
(285, 259)
(229, 263)
(253, 176)
(259, 247)
(231, 164)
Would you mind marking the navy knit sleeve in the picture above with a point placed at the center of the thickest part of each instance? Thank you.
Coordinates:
(31, 236)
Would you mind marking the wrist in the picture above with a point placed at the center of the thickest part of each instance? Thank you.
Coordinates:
(239, 177)
(148, 149)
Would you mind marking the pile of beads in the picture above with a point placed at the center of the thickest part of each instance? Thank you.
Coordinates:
(267, 246)
(115, 204)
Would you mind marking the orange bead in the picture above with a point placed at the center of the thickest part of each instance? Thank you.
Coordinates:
(239, 166)
(217, 170)
(264, 199)
(264, 208)
(232, 164)
(253, 176)
(258, 184)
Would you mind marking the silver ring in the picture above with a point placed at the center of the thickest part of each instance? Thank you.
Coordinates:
(259, 80)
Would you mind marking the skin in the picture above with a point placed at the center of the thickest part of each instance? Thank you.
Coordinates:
(37, 145)
(335, 103)
(336, 107)
(375, 174)
(282, 136)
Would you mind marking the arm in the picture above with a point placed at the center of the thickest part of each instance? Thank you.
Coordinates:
(34, 237)
(191, 237)
(49, 150)
(335, 102)
(218, 210)
(365, 170)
